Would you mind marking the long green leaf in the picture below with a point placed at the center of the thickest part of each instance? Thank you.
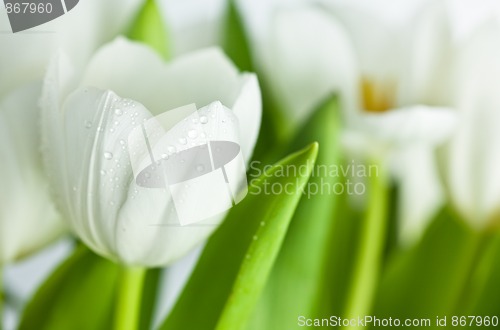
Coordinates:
(238, 258)
(78, 295)
(298, 281)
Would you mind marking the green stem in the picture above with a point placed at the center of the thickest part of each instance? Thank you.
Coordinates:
(129, 299)
(371, 249)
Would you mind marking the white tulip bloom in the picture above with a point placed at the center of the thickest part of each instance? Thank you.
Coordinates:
(28, 219)
(376, 65)
(88, 121)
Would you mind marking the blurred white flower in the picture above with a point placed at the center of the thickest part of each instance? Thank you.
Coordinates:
(25, 55)
(304, 57)
(28, 219)
(471, 160)
(378, 66)
(86, 139)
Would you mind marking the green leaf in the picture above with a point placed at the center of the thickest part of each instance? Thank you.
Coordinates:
(372, 241)
(78, 295)
(238, 258)
(148, 28)
(236, 44)
(428, 279)
(234, 39)
(342, 250)
(274, 130)
(487, 300)
(298, 281)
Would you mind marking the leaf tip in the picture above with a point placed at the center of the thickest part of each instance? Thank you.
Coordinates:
(312, 150)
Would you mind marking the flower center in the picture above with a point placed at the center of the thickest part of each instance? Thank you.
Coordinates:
(377, 95)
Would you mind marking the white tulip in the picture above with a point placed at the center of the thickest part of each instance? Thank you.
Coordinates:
(28, 219)
(85, 142)
(372, 62)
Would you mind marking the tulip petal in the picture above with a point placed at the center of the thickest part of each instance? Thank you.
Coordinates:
(473, 157)
(417, 124)
(25, 55)
(28, 218)
(421, 193)
(428, 69)
(406, 139)
(201, 77)
(307, 56)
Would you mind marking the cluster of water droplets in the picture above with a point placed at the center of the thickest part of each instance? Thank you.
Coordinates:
(115, 168)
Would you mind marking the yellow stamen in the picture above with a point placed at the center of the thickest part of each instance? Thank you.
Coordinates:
(378, 96)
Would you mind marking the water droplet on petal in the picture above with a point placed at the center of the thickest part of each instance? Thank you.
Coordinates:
(164, 156)
(108, 155)
(118, 112)
(103, 172)
(88, 124)
(192, 133)
(182, 140)
(200, 168)
(203, 119)
(171, 149)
